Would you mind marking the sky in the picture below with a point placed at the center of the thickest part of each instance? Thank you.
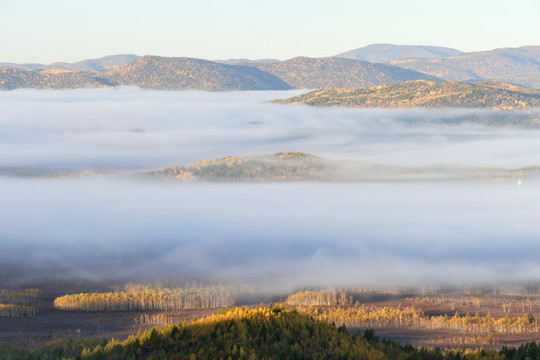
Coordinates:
(67, 30)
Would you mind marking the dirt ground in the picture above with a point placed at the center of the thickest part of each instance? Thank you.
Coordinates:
(54, 324)
(439, 338)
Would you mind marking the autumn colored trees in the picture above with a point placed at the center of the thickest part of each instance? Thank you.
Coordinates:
(411, 317)
(329, 297)
(21, 303)
(136, 297)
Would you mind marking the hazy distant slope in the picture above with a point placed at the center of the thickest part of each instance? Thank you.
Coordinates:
(298, 166)
(11, 79)
(421, 93)
(101, 64)
(381, 53)
(334, 72)
(286, 166)
(169, 73)
(29, 66)
(245, 61)
(515, 65)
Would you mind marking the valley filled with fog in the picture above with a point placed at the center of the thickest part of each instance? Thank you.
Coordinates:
(269, 235)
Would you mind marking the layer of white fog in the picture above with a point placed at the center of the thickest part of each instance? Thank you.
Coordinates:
(276, 236)
(132, 128)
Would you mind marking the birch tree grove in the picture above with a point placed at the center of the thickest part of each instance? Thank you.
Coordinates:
(19, 303)
(361, 316)
(137, 297)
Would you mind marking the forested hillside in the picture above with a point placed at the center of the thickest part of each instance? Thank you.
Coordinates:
(430, 94)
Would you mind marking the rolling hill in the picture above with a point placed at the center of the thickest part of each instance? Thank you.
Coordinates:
(298, 166)
(519, 66)
(334, 72)
(11, 79)
(166, 73)
(430, 94)
(382, 53)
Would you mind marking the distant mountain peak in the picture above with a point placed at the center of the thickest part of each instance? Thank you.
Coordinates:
(383, 53)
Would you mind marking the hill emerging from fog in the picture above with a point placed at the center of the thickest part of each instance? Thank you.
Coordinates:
(382, 53)
(298, 166)
(335, 72)
(430, 94)
(519, 66)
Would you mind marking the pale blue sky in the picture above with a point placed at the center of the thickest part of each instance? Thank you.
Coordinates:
(71, 30)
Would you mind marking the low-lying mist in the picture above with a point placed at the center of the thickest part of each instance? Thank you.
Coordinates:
(273, 236)
(130, 128)
(276, 236)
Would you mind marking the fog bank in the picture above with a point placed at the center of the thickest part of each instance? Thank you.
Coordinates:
(129, 128)
(276, 236)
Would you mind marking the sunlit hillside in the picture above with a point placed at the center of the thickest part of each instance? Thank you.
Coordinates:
(430, 94)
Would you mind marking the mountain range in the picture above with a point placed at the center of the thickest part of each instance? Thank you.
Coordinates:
(168, 73)
(388, 64)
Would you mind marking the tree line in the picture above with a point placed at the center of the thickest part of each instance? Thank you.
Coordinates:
(14, 310)
(137, 297)
(328, 297)
(361, 316)
(19, 303)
